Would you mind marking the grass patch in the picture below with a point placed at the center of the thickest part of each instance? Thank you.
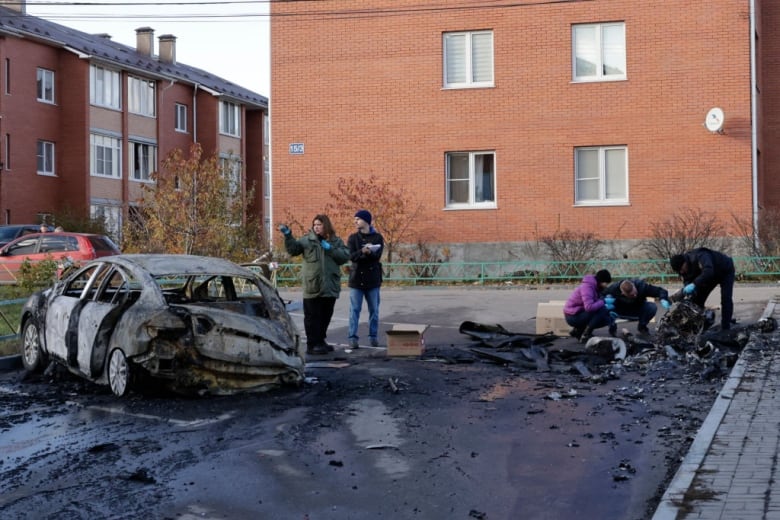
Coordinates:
(9, 347)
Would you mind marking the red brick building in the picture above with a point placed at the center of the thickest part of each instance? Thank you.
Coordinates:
(84, 120)
(514, 120)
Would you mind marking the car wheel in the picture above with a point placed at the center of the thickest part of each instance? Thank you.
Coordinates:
(118, 373)
(33, 357)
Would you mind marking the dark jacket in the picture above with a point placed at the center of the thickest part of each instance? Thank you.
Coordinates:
(366, 269)
(707, 268)
(644, 290)
(320, 273)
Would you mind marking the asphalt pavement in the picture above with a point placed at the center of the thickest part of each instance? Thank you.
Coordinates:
(731, 468)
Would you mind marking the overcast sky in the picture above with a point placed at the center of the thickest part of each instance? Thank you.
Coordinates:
(206, 34)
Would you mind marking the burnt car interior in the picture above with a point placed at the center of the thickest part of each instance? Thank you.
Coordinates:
(230, 293)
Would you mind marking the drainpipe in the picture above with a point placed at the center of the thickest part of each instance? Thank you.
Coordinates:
(754, 121)
(195, 113)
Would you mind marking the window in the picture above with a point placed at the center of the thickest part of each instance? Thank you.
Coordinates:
(471, 179)
(104, 87)
(231, 170)
(58, 243)
(111, 216)
(468, 59)
(7, 76)
(46, 86)
(601, 175)
(140, 96)
(45, 158)
(181, 117)
(229, 119)
(7, 154)
(104, 155)
(599, 52)
(143, 160)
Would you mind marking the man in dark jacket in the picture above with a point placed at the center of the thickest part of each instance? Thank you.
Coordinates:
(631, 301)
(702, 270)
(365, 276)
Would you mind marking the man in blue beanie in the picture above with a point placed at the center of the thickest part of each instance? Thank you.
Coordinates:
(365, 276)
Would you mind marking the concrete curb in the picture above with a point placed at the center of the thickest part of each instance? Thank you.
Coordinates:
(669, 507)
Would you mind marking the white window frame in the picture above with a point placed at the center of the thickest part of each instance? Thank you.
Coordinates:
(180, 117)
(141, 96)
(142, 170)
(475, 199)
(472, 52)
(609, 184)
(229, 119)
(600, 51)
(105, 156)
(231, 170)
(110, 215)
(104, 87)
(45, 85)
(45, 158)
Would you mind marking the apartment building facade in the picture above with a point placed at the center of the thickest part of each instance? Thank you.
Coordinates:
(514, 121)
(85, 121)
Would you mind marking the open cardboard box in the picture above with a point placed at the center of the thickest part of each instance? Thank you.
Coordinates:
(406, 339)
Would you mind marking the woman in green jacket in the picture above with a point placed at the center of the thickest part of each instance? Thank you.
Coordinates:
(323, 255)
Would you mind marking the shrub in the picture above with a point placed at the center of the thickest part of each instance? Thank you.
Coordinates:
(686, 229)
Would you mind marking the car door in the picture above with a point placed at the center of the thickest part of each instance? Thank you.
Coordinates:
(99, 318)
(12, 256)
(68, 334)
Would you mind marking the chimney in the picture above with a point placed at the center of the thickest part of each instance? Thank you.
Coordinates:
(144, 40)
(15, 5)
(168, 48)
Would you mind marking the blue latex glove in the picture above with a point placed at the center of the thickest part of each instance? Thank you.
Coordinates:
(609, 306)
(613, 315)
(609, 302)
(688, 289)
(284, 229)
(665, 304)
(325, 244)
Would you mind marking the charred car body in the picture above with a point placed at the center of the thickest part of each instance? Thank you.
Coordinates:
(197, 324)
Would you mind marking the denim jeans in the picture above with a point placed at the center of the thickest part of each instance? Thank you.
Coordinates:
(356, 303)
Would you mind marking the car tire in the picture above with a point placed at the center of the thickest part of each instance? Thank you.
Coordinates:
(118, 373)
(33, 357)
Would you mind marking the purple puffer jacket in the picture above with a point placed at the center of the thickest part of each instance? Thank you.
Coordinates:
(585, 297)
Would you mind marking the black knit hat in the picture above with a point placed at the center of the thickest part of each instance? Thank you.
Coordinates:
(603, 276)
(677, 262)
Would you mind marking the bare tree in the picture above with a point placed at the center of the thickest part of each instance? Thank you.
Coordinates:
(686, 229)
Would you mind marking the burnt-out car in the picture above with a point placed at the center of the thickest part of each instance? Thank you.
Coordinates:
(196, 324)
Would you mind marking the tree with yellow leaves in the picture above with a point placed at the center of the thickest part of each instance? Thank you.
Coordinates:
(195, 205)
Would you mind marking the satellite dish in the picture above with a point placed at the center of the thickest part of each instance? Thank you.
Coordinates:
(714, 120)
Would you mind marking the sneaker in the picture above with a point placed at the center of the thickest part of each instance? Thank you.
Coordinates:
(642, 329)
(374, 342)
(353, 344)
(613, 330)
(575, 333)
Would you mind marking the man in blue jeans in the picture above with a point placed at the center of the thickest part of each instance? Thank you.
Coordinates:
(365, 276)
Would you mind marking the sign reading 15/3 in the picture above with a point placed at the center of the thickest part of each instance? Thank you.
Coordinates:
(296, 148)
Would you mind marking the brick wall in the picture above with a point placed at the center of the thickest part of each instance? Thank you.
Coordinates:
(364, 94)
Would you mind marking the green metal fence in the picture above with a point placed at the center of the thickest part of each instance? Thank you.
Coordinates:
(539, 272)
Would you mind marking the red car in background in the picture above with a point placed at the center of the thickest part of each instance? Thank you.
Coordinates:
(60, 247)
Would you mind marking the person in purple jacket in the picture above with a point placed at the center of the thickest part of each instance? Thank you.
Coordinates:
(585, 311)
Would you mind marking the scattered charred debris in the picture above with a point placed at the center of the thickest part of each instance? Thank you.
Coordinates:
(685, 337)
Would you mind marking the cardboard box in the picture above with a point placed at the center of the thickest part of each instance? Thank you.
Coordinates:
(549, 318)
(406, 339)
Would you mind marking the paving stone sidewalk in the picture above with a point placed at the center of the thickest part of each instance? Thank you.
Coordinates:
(732, 471)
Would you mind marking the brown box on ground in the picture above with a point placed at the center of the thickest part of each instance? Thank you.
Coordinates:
(549, 318)
(406, 339)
